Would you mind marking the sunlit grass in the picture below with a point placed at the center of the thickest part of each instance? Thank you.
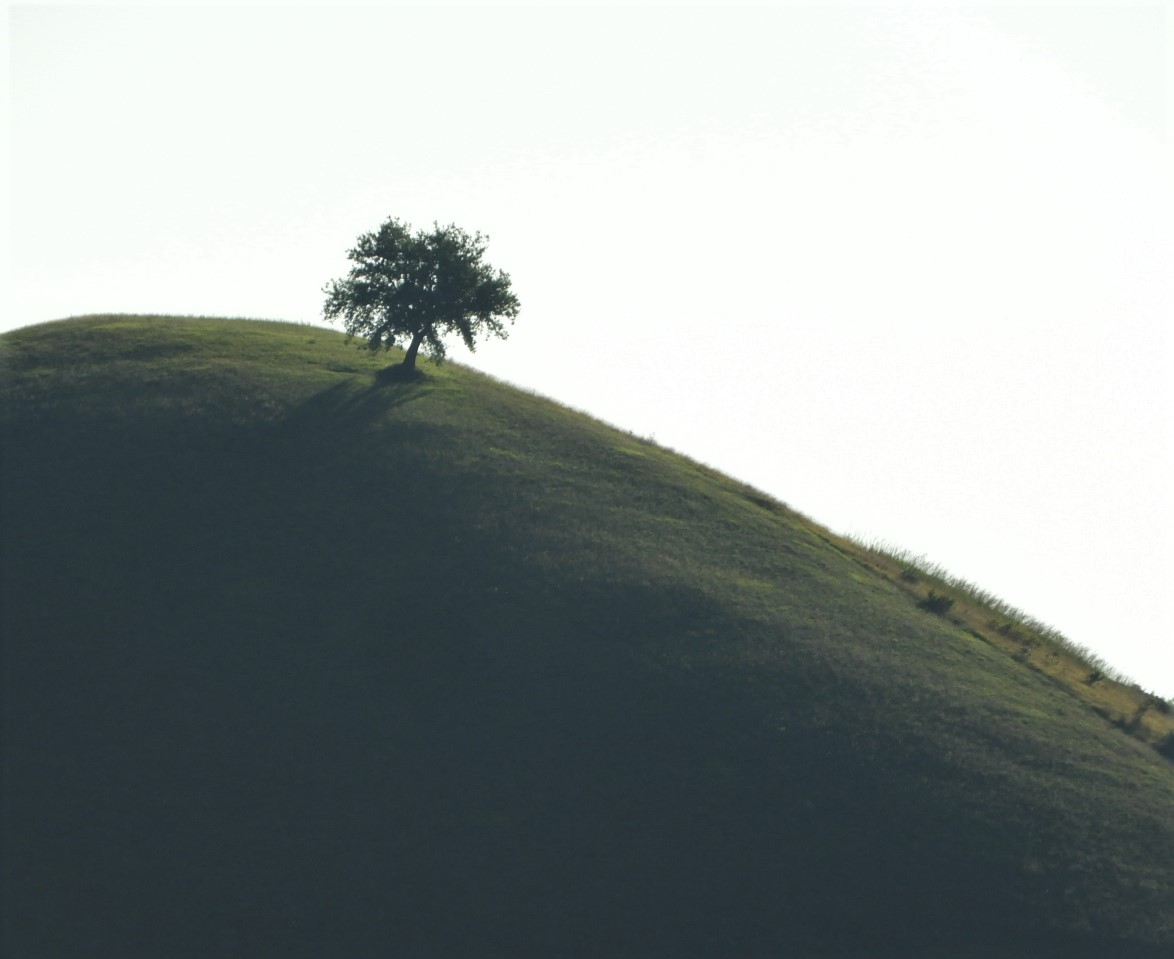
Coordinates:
(1086, 675)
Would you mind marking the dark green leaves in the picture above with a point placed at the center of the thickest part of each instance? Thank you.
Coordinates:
(417, 288)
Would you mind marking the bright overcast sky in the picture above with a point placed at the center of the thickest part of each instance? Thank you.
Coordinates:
(906, 269)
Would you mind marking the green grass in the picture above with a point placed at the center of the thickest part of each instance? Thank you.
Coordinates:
(1042, 648)
(307, 659)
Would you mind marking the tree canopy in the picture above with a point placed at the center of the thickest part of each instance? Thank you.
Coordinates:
(416, 288)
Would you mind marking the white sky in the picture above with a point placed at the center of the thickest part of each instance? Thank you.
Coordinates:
(907, 269)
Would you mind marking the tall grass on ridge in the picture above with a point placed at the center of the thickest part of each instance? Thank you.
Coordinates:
(920, 566)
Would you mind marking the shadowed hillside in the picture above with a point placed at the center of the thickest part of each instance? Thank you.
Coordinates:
(303, 659)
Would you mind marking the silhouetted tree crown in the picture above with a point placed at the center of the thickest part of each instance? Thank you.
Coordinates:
(417, 288)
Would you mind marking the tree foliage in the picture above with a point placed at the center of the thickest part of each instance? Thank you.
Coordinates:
(417, 288)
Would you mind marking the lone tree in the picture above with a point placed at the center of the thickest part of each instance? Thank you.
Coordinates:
(419, 287)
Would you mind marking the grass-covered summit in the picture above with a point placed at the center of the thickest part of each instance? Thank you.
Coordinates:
(306, 659)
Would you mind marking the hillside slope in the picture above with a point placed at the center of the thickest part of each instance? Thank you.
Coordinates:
(304, 659)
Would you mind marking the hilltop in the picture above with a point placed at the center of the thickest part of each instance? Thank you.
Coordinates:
(304, 658)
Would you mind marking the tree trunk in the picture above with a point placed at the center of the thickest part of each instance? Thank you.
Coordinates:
(410, 357)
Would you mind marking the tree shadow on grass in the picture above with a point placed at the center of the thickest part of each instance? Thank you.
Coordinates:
(343, 412)
(398, 373)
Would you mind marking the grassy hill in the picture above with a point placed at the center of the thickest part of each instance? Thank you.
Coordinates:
(305, 659)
